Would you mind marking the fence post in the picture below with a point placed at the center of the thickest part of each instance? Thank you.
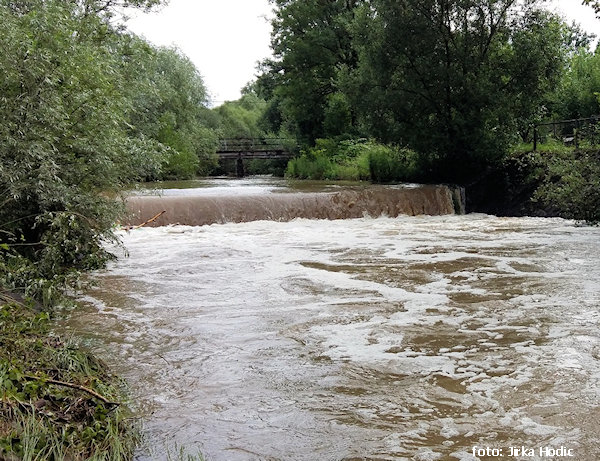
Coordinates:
(535, 137)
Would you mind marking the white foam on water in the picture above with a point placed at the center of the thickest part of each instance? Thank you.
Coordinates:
(396, 338)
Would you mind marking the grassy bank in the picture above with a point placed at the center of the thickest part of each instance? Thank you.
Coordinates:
(57, 402)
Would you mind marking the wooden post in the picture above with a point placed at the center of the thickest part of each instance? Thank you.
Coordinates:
(535, 137)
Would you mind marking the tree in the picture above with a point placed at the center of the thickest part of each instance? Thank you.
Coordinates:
(578, 94)
(65, 147)
(453, 79)
(310, 42)
(169, 106)
(242, 118)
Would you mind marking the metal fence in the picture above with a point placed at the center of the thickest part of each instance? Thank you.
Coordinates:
(576, 132)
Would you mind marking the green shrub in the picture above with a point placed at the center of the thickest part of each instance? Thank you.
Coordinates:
(389, 164)
(58, 401)
(571, 184)
(181, 165)
(313, 164)
(356, 159)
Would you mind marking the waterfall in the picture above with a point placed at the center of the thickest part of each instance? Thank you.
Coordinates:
(347, 203)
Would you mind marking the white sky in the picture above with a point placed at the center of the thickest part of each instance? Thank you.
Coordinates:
(226, 38)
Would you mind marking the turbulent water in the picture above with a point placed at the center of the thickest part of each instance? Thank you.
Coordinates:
(253, 200)
(426, 338)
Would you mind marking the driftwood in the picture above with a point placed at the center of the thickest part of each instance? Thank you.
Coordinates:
(73, 386)
(152, 219)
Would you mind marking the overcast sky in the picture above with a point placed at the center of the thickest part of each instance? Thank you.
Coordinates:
(226, 38)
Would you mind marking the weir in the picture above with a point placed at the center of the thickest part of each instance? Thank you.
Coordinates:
(202, 208)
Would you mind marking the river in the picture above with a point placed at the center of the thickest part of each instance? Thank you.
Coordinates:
(374, 338)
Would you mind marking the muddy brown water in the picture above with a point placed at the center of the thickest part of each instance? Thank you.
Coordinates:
(375, 338)
(277, 200)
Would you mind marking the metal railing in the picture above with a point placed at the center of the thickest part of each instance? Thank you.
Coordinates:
(254, 144)
(575, 132)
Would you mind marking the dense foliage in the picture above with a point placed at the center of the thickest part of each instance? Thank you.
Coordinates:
(86, 109)
(570, 185)
(578, 93)
(169, 107)
(555, 180)
(242, 118)
(355, 160)
(457, 81)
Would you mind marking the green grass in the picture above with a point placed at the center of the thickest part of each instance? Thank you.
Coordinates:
(550, 146)
(57, 402)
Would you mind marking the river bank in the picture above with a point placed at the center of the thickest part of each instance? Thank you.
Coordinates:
(57, 400)
(554, 181)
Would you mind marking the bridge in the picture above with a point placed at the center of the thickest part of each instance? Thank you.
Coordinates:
(245, 148)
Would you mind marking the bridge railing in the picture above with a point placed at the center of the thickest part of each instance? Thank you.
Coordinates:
(254, 144)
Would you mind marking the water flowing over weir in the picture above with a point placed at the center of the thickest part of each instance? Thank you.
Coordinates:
(388, 338)
(203, 208)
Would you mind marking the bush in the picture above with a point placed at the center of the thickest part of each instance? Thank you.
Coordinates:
(181, 165)
(571, 184)
(313, 164)
(355, 160)
(58, 401)
(388, 164)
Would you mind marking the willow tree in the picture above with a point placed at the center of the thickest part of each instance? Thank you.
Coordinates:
(169, 107)
(64, 141)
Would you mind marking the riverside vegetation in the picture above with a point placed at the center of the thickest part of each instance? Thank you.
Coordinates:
(86, 109)
(378, 90)
(428, 92)
(58, 401)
